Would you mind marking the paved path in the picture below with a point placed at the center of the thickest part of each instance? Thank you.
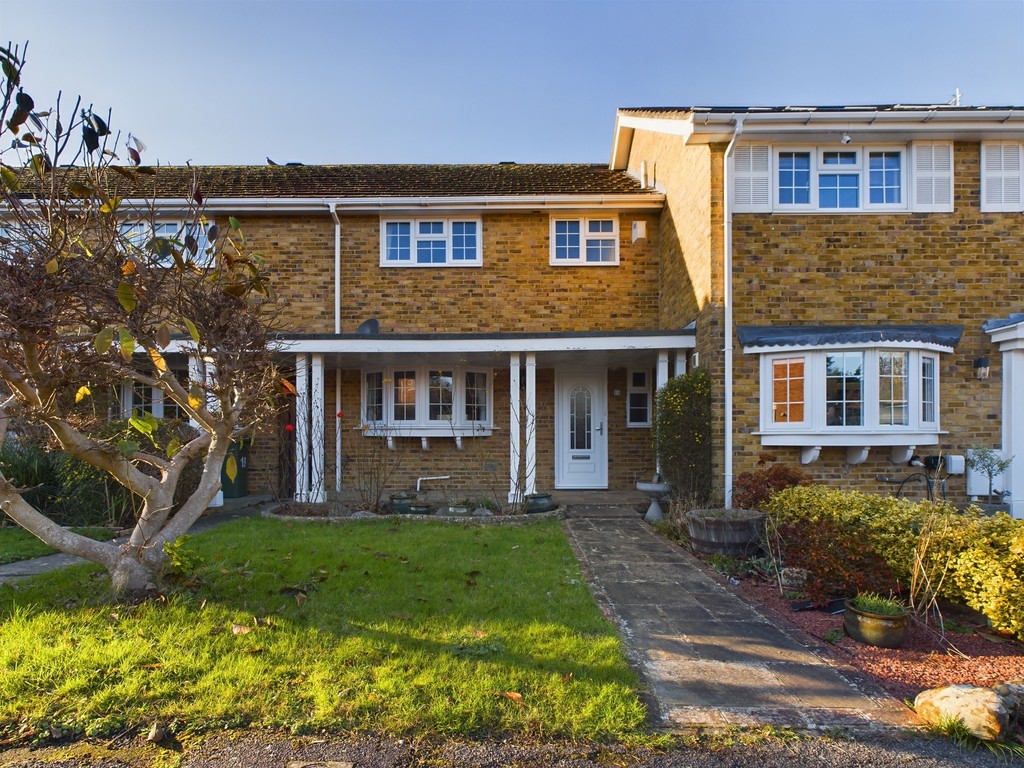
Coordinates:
(708, 658)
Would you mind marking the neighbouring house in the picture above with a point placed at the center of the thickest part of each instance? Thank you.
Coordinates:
(853, 274)
(499, 325)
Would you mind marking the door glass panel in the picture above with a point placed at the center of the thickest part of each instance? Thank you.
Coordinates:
(580, 419)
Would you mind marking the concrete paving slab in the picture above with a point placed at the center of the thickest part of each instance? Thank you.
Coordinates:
(707, 658)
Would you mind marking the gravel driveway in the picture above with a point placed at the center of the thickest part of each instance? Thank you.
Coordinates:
(259, 750)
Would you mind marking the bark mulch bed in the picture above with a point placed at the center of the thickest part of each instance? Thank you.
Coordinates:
(967, 652)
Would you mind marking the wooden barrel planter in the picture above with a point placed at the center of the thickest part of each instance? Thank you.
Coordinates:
(725, 531)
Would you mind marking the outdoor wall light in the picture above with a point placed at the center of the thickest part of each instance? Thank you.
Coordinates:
(845, 138)
(981, 368)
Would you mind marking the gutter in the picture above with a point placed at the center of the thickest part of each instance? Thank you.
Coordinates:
(727, 278)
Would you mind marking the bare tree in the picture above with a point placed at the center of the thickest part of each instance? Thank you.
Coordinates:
(87, 304)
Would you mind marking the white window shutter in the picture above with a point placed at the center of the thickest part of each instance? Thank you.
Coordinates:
(1001, 176)
(751, 179)
(933, 176)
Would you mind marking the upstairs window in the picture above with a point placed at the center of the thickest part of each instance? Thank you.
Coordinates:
(161, 236)
(431, 243)
(819, 179)
(592, 241)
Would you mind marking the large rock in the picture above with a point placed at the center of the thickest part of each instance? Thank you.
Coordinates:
(984, 712)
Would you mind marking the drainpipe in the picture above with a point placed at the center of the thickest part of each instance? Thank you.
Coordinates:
(727, 277)
(337, 267)
(337, 329)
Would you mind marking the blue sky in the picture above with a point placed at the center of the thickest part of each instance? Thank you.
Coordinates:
(440, 81)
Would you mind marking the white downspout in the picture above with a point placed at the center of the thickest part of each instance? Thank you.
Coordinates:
(337, 267)
(337, 329)
(727, 277)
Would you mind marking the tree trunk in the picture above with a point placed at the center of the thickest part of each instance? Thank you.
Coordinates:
(130, 576)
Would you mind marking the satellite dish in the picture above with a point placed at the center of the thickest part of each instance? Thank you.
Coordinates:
(369, 327)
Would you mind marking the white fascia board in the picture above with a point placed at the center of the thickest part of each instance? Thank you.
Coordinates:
(384, 345)
(784, 348)
(648, 201)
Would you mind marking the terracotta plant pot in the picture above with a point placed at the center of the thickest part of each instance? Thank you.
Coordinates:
(874, 629)
(725, 531)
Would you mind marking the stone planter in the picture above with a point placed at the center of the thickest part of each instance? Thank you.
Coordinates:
(420, 508)
(401, 503)
(725, 531)
(873, 628)
(539, 502)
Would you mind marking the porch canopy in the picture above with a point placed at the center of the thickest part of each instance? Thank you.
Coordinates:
(661, 350)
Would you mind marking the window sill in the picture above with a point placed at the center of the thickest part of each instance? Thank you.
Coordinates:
(393, 433)
(858, 444)
(415, 265)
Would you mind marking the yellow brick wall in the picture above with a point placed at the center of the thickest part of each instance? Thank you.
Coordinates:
(958, 268)
(516, 289)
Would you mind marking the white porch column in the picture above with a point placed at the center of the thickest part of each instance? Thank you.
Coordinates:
(317, 491)
(302, 427)
(680, 360)
(662, 374)
(515, 486)
(201, 371)
(1013, 427)
(531, 422)
(337, 429)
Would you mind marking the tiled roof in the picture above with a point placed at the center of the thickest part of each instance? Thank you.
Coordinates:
(360, 181)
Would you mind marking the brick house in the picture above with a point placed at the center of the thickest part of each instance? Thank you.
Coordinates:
(500, 325)
(852, 275)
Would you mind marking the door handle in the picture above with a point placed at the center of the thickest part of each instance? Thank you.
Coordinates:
(600, 428)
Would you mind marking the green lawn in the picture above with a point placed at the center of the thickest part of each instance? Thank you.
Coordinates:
(397, 626)
(18, 544)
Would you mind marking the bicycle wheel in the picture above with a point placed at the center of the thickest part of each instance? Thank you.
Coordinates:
(915, 487)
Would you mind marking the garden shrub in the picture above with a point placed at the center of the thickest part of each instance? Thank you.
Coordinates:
(27, 464)
(683, 435)
(967, 557)
(753, 489)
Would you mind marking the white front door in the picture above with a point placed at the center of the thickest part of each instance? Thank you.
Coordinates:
(581, 430)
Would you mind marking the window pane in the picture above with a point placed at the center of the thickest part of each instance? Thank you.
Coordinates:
(405, 395)
(884, 178)
(839, 158)
(892, 388)
(442, 388)
(600, 250)
(599, 226)
(476, 396)
(928, 389)
(788, 390)
(464, 246)
(638, 379)
(794, 178)
(844, 388)
(838, 190)
(430, 251)
(374, 397)
(398, 241)
(639, 408)
(579, 419)
(567, 239)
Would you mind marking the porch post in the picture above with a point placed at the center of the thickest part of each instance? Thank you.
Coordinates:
(531, 422)
(680, 367)
(302, 427)
(515, 487)
(660, 380)
(317, 480)
(337, 429)
(201, 371)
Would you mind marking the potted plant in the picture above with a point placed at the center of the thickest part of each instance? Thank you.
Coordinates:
(539, 502)
(875, 620)
(990, 463)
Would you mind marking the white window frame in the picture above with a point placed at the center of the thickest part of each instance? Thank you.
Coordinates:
(422, 425)
(580, 260)
(139, 233)
(646, 390)
(861, 168)
(814, 429)
(158, 401)
(447, 235)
